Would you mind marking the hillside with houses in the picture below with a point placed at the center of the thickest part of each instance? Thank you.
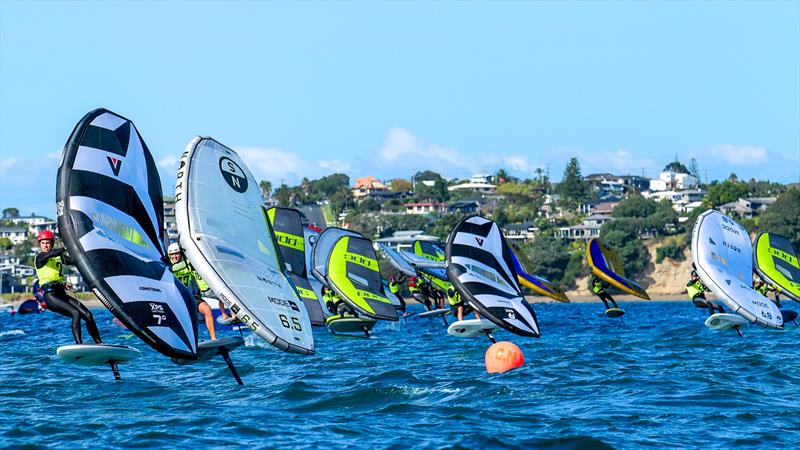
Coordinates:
(647, 220)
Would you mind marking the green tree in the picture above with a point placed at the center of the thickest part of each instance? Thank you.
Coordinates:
(694, 170)
(623, 236)
(676, 166)
(442, 227)
(728, 191)
(517, 192)
(435, 192)
(400, 185)
(283, 195)
(549, 257)
(5, 243)
(10, 213)
(783, 217)
(266, 188)
(572, 187)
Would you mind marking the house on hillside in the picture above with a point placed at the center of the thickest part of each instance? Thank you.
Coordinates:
(39, 227)
(669, 180)
(28, 220)
(747, 207)
(463, 207)
(680, 199)
(16, 235)
(519, 232)
(426, 208)
(478, 183)
(170, 224)
(589, 228)
(363, 187)
(382, 196)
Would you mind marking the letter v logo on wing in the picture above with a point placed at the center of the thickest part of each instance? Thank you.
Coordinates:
(480, 241)
(115, 164)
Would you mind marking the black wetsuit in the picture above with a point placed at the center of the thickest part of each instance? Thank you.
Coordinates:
(57, 300)
(599, 288)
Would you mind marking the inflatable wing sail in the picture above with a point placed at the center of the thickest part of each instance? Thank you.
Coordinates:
(480, 267)
(397, 261)
(537, 284)
(353, 273)
(428, 250)
(110, 215)
(289, 231)
(420, 261)
(776, 262)
(607, 265)
(322, 250)
(310, 236)
(433, 271)
(226, 235)
(723, 257)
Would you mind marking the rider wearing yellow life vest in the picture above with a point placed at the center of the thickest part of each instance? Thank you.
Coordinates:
(697, 293)
(457, 303)
(418, 289)
(764, 289)
(189, 277)
(599, 288)
(394, 287)
(50, 271)
(335, 304)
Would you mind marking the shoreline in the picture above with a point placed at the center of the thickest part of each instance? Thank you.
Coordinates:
(95, 304)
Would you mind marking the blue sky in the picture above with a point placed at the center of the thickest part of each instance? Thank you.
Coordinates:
(307, 89)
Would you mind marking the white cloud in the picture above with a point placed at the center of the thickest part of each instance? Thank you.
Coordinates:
(168, 162)
(518, 163)
(739, 155)
(275, 165)
(7, 163)
(335, 165)
(401, 144)
(617, 162)
(405, 152)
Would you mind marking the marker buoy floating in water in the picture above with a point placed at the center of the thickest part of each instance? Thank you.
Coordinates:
(503, 356)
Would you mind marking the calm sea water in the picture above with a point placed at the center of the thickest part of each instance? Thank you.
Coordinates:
(656, 378)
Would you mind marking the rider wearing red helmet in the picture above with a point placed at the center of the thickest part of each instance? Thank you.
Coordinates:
(50, 270)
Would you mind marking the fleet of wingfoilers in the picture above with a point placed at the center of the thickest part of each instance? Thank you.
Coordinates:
(279, 277)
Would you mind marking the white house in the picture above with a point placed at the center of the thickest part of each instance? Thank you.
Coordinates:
(17, 235)
(29, 220)
(426, 208)
(680, 199)
(747, 207)
(673, 180)
(478, 183)
(519, 232)
(590, 228)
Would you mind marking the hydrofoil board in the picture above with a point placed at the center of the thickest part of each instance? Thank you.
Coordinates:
(433, 313)
(471, 328)
(338, 324)
(725, 321)
(96, 354)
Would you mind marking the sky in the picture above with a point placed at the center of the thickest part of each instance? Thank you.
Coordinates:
(306, 89)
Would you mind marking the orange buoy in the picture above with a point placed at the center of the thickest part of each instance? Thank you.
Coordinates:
(503, 356)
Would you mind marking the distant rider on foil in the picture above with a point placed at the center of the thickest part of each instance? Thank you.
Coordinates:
(599, 288)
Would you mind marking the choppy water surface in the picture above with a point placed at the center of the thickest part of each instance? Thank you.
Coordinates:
(658, 378)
